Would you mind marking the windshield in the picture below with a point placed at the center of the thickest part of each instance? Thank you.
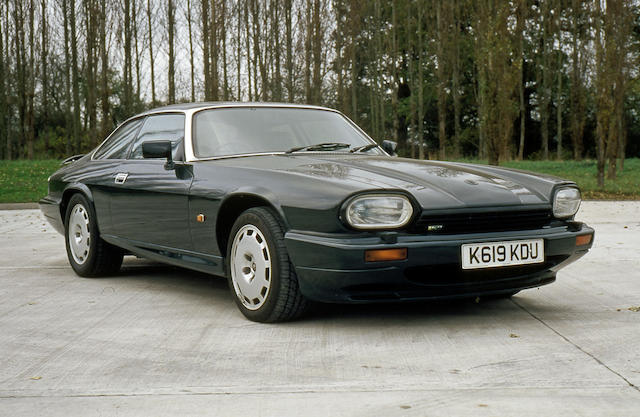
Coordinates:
(247, 130)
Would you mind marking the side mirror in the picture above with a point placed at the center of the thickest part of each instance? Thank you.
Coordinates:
(158, 149)
(390, 147)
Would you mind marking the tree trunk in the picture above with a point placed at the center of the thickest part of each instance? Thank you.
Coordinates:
(75, 77)
(289, 46)
(420, 118)
(90, 67)
(223, 31)
(18, 23)
(191, 64)
(601, 97)
(316, 41)
(171, 75)
(151, 57)
(394, 69)
(6, 82)
(441, 35)
(523, 115)
(67, 82)
(128, 83)
(258, 62)
(577, 118)
(545, 90)
(206, 60)
(307, 52)
(238, 53)
(31, 85)
(214, 79)
(4, 70)
(559, 107)
(355, 67)
(44, 60)
(104, 61)
(277, 88)
(455, 80)
(248, 47)
(134, 23)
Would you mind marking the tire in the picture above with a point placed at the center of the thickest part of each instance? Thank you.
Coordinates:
(262, 279)
(88, 254)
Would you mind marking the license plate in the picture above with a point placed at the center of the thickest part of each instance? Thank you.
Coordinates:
(497, 254)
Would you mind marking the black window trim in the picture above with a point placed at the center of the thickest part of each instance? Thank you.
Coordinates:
(131, 119)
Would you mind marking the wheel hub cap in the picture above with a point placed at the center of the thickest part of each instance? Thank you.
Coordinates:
(250, 267)
(79, 236)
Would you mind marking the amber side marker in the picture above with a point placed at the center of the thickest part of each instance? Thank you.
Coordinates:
(200, 218)
(583, 240)
(379, 255)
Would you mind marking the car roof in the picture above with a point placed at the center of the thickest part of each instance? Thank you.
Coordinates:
(210, 104)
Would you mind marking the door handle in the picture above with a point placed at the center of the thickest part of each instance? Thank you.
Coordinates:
(121, 178)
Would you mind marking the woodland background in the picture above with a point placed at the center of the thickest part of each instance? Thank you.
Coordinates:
(488, 79)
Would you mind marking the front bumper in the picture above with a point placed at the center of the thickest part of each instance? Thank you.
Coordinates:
(333, 268)
(51, 210)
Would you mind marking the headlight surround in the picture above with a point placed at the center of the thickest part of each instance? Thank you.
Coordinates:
(378, 211)
(566, 202)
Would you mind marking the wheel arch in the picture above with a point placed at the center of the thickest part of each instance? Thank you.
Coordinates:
(68, 192)
(235, 204)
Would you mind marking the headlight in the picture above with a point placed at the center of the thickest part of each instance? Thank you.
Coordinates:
(378, 211)
(566, 202)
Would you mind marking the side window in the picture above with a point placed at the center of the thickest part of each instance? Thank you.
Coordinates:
(118, 144)
(161, 127)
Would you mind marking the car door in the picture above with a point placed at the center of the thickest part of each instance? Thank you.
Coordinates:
(99, 175)
(149, 202)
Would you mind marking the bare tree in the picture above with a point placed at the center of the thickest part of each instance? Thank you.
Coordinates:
(151, 56)
(171, 17)
(90, 15)
(127, 72)
(191, 63)
(497, 77)
(288, 6)
(104, 69)
(578, 69)
(520, 27)
(4, 66)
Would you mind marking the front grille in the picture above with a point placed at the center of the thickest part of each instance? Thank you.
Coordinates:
(480, 222)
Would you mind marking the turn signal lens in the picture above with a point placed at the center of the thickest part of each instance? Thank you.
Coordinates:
(583, 240)
(379, 255)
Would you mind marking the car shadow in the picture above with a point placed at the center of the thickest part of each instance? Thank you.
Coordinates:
(206, 288)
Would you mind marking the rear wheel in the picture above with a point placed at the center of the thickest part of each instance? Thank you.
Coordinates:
(261, 277)
(88, 254)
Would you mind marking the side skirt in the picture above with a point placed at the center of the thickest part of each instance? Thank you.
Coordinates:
(201, 262)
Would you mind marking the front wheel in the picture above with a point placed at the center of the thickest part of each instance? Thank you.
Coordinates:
(88, 254)
(261, 277)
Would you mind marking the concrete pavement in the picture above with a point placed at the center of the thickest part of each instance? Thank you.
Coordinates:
(156, 340)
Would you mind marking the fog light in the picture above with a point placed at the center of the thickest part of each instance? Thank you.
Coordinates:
(379, 255)
(583, 240)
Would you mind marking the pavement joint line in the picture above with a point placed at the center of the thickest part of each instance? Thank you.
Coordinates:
(566, 339)
(309, 391)
(10, 268)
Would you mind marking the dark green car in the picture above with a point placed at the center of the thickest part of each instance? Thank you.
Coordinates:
(294, 203)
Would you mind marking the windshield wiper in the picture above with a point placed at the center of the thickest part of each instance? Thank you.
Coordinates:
(326, 146)
(364, 148)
